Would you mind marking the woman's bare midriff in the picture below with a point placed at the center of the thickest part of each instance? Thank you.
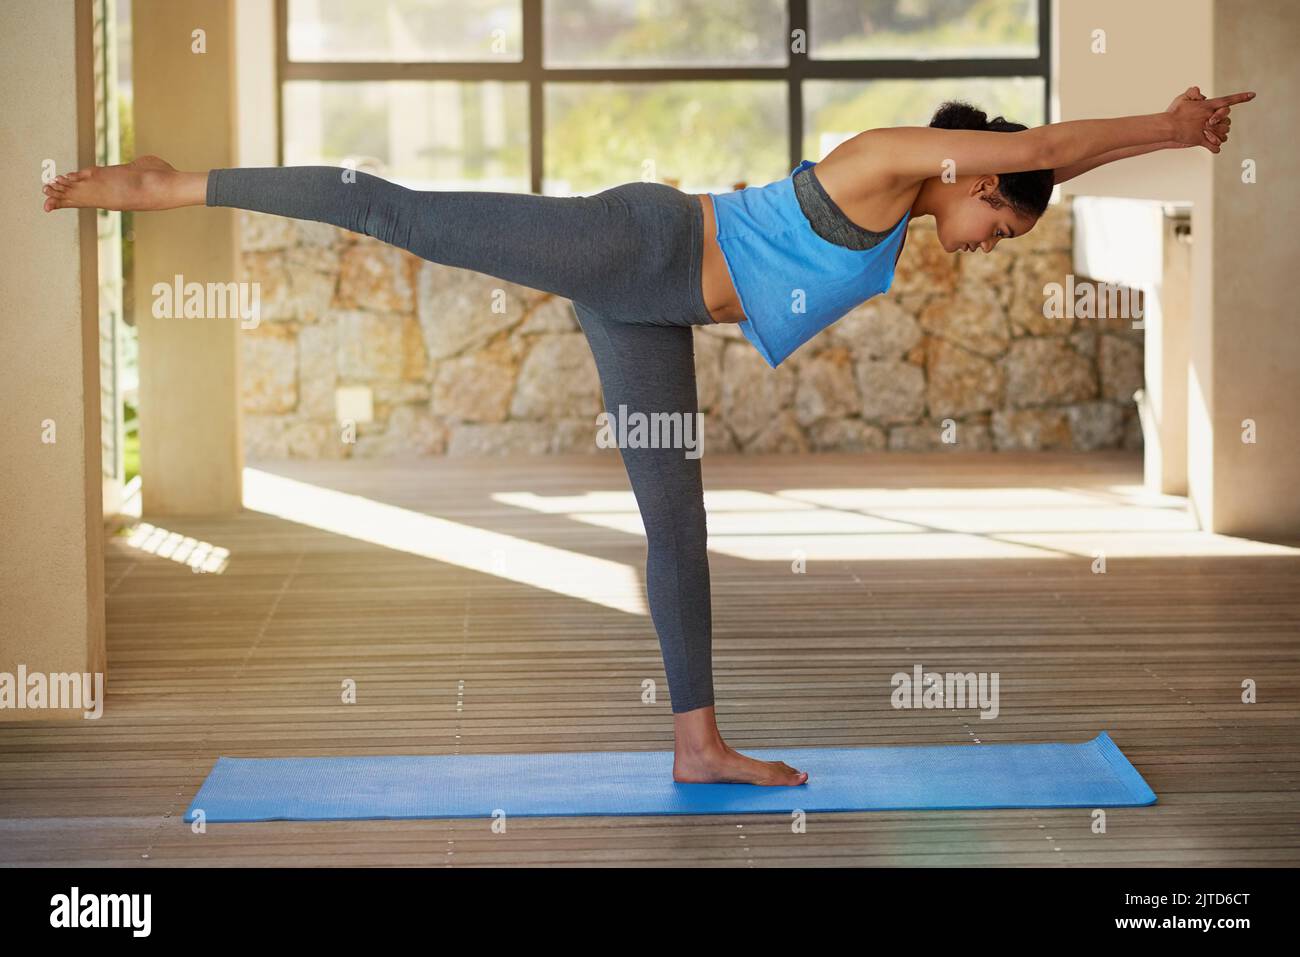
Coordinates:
(719, 294)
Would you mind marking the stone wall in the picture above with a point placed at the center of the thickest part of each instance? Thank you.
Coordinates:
(461, 364)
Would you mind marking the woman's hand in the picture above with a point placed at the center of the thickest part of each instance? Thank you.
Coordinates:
(1198, 121)
(1218, 125)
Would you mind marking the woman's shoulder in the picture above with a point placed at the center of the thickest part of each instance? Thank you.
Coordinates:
(858, 181)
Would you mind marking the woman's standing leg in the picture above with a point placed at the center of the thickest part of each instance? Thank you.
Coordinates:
(649, 370)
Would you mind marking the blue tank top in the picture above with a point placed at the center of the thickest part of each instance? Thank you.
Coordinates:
(772, 251)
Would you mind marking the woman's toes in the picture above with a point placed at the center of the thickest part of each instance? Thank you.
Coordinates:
(787, 773)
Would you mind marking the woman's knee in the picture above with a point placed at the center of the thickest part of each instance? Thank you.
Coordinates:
(377, 208)
(683, 528)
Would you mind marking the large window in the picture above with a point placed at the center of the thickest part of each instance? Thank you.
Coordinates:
(572, 96)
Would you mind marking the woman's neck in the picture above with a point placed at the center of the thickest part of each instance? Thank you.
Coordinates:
(926, 201)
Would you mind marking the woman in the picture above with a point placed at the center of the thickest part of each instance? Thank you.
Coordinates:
(643, 263)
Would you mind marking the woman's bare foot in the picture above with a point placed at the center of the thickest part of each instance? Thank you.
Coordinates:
(146, 183)
(702, 757)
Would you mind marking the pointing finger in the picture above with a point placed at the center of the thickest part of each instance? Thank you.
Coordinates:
(1229, 100)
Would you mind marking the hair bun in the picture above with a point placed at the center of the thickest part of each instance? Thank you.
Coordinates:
(956, 115)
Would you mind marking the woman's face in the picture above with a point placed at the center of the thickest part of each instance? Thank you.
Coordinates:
(973, 215)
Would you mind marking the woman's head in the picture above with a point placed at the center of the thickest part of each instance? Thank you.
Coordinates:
(978, 211)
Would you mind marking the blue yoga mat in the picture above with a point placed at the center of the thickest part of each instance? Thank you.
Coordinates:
(965, 776)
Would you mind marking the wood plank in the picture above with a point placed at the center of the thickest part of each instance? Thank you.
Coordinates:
(449, 659)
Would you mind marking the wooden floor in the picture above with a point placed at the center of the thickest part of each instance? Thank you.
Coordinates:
(494, 606)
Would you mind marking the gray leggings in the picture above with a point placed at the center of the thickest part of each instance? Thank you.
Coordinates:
(629, 258)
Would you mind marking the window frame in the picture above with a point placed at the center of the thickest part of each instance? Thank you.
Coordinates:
(530, 70)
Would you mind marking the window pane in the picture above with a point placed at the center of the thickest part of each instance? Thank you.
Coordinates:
(922, 29)
(443, 134)
(657, 33)
(835, 110)
(701, 135)
(405, 31)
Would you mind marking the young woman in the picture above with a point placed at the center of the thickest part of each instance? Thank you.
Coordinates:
(644, 262)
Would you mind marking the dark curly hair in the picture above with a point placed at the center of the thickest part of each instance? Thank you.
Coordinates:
(1027, 192)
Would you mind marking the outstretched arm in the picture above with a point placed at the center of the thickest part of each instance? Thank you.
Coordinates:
(912, 153)
(1219, 127)
(1065, 173)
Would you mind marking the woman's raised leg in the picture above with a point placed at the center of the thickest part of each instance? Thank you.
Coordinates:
(577, 247)
(584, 248)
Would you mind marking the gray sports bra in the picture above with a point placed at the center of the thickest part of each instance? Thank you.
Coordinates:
(828, 220)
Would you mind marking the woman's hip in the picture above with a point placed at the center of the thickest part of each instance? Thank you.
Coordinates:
(662, 283)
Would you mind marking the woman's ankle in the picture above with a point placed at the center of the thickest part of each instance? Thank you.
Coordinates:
(175, 189)
(696, 732)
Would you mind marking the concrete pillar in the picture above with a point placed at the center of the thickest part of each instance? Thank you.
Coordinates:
(256, 136)
(1168, 339)
(52, 559)
(1248, 365)
(190, 454)
(1138, 244)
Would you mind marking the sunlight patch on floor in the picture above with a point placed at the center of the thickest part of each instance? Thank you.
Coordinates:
(866, 524)
(596, 580)
(201, 557)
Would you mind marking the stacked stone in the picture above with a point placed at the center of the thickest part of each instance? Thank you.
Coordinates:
(464, 364)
